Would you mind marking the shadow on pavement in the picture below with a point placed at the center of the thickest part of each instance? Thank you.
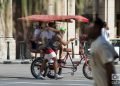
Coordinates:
(16, 77)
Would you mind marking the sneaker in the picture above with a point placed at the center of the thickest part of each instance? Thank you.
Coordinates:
(58, 76)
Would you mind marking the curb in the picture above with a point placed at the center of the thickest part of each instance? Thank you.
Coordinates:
(16, 62)
(30, 61)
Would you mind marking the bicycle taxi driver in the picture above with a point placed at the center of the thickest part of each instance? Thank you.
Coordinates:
(53, 46)
(47, 36)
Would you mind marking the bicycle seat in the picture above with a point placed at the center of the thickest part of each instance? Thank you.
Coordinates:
(67, 50)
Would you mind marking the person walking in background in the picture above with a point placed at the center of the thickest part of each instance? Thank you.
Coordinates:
(35, 36)
(102, 55)
(37, 31)
(105, 31)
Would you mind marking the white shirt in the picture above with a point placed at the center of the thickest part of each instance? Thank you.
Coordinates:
(39, 33)
(105, 33)
(101, 53)
(47, 34)
(36, 33)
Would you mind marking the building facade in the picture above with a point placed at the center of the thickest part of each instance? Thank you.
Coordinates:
(108, 10)
(7, 42)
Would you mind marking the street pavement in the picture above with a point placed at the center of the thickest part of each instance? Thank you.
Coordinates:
(22, 82)
(20, 75)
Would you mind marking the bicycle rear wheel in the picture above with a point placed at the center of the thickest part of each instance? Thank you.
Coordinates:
(87, 71)
(35, 68)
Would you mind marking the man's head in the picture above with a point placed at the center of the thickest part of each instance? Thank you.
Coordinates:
(62, 30)
(36, 25)
(52, 24)
(94, 29)
(105, 26)
(43, 25)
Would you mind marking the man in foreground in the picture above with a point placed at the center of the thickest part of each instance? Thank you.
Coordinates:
(101, 55)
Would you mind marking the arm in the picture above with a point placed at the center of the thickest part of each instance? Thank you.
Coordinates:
(109, 70)
(65, 42)
(107, 60)
(54, 30)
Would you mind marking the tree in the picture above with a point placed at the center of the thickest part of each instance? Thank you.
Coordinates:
(2, 16)
(79, 6)
(2, 28)
(5, 24)
(23, 29)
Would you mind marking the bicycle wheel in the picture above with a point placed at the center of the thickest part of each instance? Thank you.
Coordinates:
(35, 68)
(87, 71)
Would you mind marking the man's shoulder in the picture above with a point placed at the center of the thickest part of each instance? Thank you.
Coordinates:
(101, 39)
(104, 44)
(99, 42)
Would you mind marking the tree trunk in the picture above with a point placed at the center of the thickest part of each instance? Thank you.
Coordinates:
(2, 22)
(8, 19)
(30, 6)
(79, 4)
(24, 13)
(6, 31)
(2, 29)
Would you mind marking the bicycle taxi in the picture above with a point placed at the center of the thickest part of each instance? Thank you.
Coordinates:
(48, 71)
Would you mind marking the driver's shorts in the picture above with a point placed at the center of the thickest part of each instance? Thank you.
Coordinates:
(50, 53)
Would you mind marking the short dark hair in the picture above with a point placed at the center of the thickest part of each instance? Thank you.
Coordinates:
(99, 22)
(51, 24)
(40, 23)
(105, 24)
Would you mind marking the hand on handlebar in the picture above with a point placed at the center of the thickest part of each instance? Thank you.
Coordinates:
(72, 39)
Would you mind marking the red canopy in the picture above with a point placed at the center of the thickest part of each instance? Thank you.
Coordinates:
(50, 18)
(80, 18)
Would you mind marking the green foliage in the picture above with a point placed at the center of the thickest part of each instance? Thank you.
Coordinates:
(79, 4)
(30, 7)
(1, 5)
(24, 7)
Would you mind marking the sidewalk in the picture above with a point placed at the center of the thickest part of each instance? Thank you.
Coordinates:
(26, 61)
(29, 61)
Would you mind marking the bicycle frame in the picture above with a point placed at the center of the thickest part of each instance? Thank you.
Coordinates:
(65, 59)
(74, 63)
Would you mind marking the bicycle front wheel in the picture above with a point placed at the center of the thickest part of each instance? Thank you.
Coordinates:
(36, 66)
(87, 72)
